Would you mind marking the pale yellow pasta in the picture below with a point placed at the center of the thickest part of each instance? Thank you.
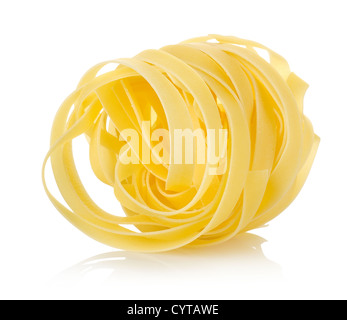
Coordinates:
(208, 83)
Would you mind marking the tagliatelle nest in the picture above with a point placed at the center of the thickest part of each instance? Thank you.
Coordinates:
(202, 86)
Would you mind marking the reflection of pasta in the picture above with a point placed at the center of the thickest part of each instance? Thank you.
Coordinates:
(211, 82)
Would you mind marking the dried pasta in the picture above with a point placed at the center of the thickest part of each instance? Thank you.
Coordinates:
(207, 83)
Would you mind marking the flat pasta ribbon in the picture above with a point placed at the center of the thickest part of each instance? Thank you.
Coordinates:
(210, 83)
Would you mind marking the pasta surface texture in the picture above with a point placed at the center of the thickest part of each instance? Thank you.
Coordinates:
(208, 83)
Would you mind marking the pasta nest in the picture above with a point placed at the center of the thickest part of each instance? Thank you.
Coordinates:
(131, 117)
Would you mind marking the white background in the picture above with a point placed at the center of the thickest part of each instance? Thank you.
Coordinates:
(47, 45)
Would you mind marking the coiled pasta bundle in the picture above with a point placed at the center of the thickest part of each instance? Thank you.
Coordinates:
(175, 191)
